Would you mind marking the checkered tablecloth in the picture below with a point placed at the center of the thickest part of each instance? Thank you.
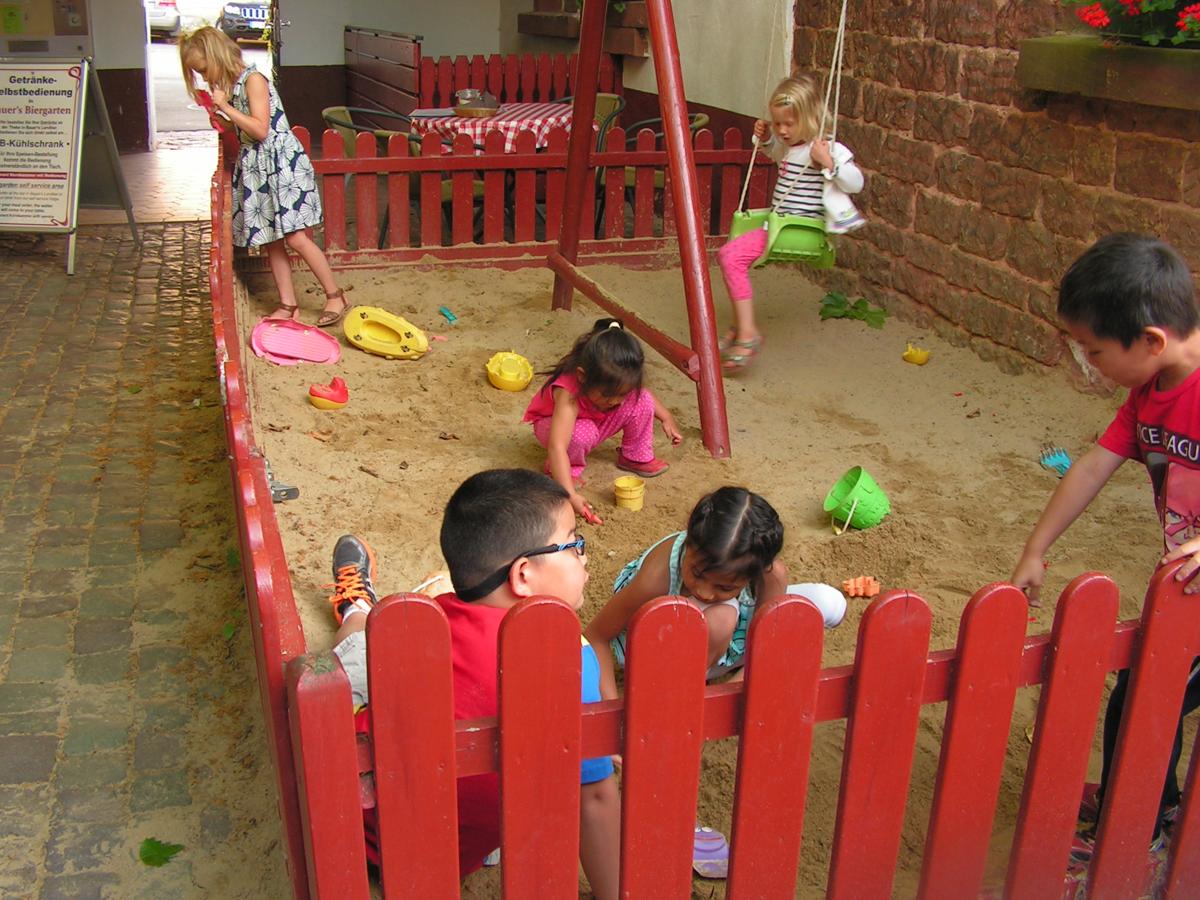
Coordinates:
(512, 118)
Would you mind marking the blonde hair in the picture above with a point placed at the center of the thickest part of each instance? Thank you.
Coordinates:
(208, 45)
(802, 95)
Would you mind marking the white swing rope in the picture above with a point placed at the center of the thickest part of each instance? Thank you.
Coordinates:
(835, 74)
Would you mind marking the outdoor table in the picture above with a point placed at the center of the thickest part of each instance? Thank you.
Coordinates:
(511, 118)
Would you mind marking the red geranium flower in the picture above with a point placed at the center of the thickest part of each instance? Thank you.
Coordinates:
(1132, 7)
(1094, 15)
(1189, 17)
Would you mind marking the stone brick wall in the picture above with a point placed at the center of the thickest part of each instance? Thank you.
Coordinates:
(980, 194)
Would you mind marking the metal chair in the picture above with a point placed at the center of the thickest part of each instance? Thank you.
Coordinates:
(696, 121)
(608, 107)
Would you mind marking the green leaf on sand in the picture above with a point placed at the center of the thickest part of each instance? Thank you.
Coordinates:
(232, 559)
(835, 305)
(155, 853)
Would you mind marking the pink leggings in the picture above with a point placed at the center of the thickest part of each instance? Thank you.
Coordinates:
(634, 418)
(735, 260)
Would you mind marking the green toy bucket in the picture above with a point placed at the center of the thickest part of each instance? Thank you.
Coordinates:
(858, 498)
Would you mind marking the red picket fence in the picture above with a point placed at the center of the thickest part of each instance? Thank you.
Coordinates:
(520, 208)
(417, 750)
(512, 77)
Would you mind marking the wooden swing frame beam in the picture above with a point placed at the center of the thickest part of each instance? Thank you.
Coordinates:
(702, 362)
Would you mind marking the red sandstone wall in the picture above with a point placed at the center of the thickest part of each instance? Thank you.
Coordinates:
(980, 194)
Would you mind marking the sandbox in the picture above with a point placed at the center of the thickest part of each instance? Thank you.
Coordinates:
(954, 443)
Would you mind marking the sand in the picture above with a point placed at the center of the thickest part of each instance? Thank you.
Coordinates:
(954, 443)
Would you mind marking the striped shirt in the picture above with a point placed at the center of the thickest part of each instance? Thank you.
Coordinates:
(799, 189)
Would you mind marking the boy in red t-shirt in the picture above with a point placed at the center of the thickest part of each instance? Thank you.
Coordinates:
(1130, 304)
(507, 534)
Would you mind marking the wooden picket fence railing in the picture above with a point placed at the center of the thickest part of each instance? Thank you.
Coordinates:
(385, 70)
(520, 208)
(510, 77)
(274, 620)
(417, 750)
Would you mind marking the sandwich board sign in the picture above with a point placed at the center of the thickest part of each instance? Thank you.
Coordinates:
(57, 151)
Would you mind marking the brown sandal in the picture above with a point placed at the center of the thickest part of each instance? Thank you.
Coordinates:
(288, 310)
(331, 317)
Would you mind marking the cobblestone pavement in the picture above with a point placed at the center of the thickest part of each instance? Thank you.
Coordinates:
(128, 707)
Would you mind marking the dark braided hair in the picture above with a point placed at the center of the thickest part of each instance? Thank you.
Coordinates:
(736, 532)
(611, 359)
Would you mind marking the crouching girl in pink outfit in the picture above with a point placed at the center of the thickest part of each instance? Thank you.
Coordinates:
(594, 392)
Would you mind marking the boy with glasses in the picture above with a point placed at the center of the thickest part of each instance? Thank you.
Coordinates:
(507, 534)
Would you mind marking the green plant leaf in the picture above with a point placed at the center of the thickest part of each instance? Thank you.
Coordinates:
(876, 318)
(134, 389)
(834, 305)
(232, 559)
(154, 852)
(229, 630)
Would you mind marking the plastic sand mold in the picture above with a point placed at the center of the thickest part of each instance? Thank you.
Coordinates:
(286, 342)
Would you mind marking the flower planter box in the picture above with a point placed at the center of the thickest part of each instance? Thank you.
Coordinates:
(1083, 64)
(625, 33)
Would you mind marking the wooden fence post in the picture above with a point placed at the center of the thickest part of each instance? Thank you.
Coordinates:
(322, 725)
(412, 733)
(974, 742)
(1081, 642)
(664, 710)
(889, 675)
(782, 673)
(1168, 643)
(540, 738)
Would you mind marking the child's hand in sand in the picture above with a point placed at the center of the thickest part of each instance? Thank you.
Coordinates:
(671, 429)
(584, 509)
(1187, 572)
(1029, 575)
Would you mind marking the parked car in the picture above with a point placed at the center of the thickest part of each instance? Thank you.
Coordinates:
(245, 20)
(163, 17)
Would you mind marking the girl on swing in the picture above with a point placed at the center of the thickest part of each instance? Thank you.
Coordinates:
(815, 179)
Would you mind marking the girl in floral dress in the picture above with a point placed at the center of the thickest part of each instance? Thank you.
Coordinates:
(274, 187)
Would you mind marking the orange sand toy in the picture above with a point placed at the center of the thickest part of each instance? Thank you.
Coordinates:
(329, 396)
(862, 586)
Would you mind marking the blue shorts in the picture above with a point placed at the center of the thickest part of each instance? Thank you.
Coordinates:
(599, 767)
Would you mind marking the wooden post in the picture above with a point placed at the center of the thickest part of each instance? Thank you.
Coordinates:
(591, 36)
(681, 170)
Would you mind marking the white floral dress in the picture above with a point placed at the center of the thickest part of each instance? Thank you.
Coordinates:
(274, 185)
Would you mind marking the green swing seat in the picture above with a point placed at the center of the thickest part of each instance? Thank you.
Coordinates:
(789, 238)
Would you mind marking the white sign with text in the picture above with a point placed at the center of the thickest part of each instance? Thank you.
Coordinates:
(41, 132)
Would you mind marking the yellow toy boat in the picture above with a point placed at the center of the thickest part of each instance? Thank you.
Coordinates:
(385, 334)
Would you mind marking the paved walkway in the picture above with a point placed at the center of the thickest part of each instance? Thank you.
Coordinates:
(127, 701)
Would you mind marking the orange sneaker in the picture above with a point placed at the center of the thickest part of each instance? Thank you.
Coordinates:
(354, 577)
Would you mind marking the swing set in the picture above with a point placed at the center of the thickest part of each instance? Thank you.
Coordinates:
(801, 239)
(790, 238)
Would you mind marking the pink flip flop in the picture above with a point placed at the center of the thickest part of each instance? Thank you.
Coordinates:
(710, 853)
(286, 343)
